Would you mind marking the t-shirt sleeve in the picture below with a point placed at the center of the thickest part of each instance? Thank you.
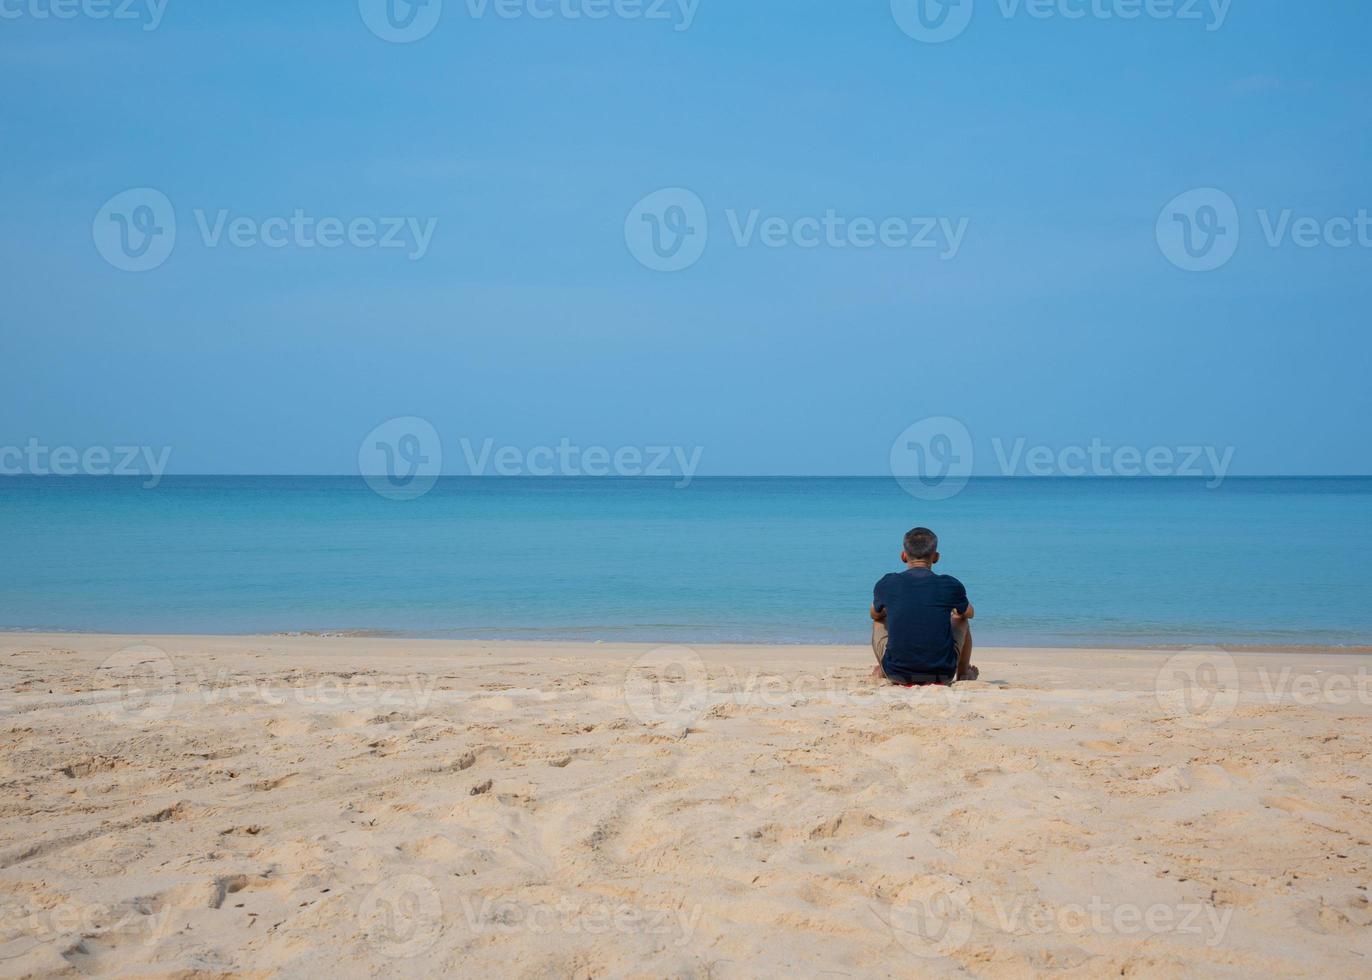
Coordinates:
(879, 595)
(957, 595)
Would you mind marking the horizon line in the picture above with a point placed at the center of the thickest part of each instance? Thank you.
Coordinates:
(714, 476)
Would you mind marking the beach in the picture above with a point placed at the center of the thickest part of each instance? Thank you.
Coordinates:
(305, 805)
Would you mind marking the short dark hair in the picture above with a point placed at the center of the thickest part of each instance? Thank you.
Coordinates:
(920, 544)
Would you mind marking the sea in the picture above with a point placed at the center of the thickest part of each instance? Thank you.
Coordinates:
(1171, 562)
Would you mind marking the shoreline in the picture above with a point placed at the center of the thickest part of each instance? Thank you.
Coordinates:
(563, 641)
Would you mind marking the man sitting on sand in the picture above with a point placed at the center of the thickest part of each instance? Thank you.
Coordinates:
(921, 630)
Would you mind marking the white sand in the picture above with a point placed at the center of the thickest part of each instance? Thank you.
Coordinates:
(345, 807)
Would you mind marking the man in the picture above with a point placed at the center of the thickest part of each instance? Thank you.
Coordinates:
(921, 630)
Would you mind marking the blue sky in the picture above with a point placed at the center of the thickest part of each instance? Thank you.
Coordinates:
(523, 143)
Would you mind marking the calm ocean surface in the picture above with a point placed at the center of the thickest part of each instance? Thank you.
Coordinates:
(1139, 562)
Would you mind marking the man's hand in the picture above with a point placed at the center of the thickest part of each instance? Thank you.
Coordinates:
(878, 616)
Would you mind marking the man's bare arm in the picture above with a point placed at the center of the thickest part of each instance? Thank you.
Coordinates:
(966, 672)
(878, 616)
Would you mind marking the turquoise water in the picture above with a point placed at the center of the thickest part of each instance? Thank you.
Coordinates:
(1144, 562)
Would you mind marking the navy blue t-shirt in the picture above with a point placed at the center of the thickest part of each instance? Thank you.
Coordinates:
(918, 607)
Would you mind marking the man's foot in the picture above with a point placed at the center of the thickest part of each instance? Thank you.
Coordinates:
(970, 674)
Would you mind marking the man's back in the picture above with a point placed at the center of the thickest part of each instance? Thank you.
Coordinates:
(919, 604)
